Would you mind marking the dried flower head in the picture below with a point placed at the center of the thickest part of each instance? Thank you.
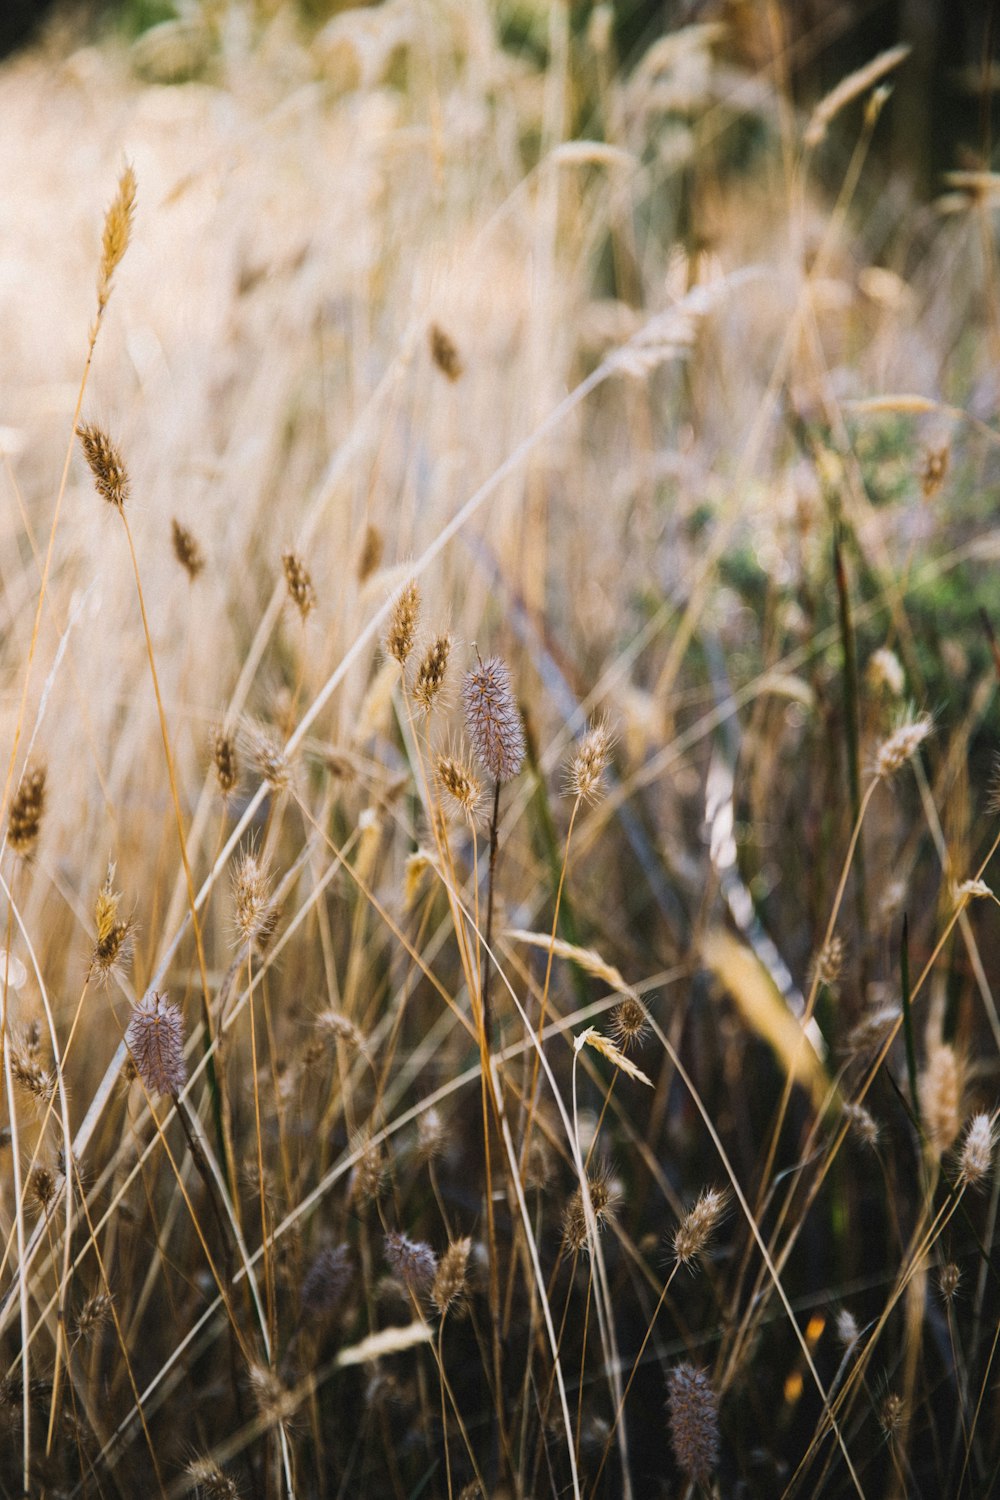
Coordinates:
(372, 548)
(901, 746)
(106, 465)
(412, 1261)
(693, 1409)
(940, 1094)
(155, 1040)
(327, 1280)
(209, 1482)
(300, 584)
(445, 354)
(225, 759)
(186, 549)
(693, 1233)
(460, 785)
(26, 809)
(589, 764)
(256, 914)
(493, 720)
(431, 673)
(629, 1023)
(403, 624)
(116, 235)
(449, 1283)
(113, 942)
(978, 1147)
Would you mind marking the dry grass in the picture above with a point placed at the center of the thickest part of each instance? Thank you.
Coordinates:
(632, 1129)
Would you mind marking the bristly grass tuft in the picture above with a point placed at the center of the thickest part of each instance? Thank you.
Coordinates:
(493, 720)
(106, 465)
(402, 632)
(155, 1040)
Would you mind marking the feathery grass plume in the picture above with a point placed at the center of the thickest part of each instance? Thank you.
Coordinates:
(693, 1409)
(591, 1037)
(412, 1261)
(113, 943)
(186, 549)
(862, 1125)
(430, 1135)
(94, 1315)
(29, 1071)
(603, 1200)
(300, 584)
(940, 1092)
(449, 1283)
(460, 785)
(117, 233)
(629, 1023)
(693, 1233)
(42, 1188)
(885, 670)
(978, 1147)
(256, 915)
(848, 1331)
(892, 1417)
(901, 746)
(949, 1279)
(445, 354)
(829, 962)
(208, 1482)
(403, 624)
(225, 760)
(107, 466)
(155, 1040)
(326, 1281)
(26, 809)
(274, 1402)
(430, 676)
(334, 1024)
(934, 469)
(369, 1173)
(872, 1029)
(266, 750)
(590, 762)
(372, 547)
(493, 720)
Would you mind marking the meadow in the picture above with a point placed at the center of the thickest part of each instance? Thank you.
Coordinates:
(498, 690)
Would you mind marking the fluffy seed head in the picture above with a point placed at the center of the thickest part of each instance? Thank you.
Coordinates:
(155, 1040)
(92, 1317)
(862, 1124)
(697, 1227)
(977, 1150)
(430, 1135)
(586, 773)
(940, 1093)
(186, 549)
(872, 1030)
(42, 1188)
(829, 962)
(493, 720)
(449, 1283)
(26, 809)
(116, 235)
(445, 354)
(326, 1280)
(693, 1409)
(368, 1176)
(892, 1417)
(901, 746)
(629, 1023)
(113, 943)
(603, 1201)
(949, 1278)
(256, 914)
(106, 465)
(431, 673)
(267, 752)
(848, 1332)
(300, 584)
(412, 1261)
(225, 759)
(209, 1482)
(461, 786)
(28, 1069)
(886, 671)
(403, 624)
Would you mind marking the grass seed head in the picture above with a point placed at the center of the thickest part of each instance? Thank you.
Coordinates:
(186, 549)
(431, 673)
(26, 809)
(629, 1023)
(901, 746)
(155, 1040)
(117, 233)
(449, 1282)
(300, 584)
(266, 751)
(225, 758)
(976, 1160)
(493, 720)
(445, 354)
(106, 465)
(327, 1280)
(949, 1278)
(460, 785)
(940, 1092)
(693, 1408)
(590, 763)
(256, 914)
(402, 630)
(94, 1315)
(112, 948)
(693, 1233)
(372, 547)
(208, 1482)
(411, 1261)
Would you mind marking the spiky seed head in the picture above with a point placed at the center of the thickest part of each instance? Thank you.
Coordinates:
(449, 1283)
(42, 1188)
(117, 233)
(256, 914)
(978, 1147)
(29, 1072)
(901, 746)
(368, 1176)
(431, 673)
(106, 465)
(92, 1317)
(629, 1023)
(493, 720)
(460, 785)
(693, 1233)
(334, 1024)
(326, 1280)
(445, 354)
(225, 759)
(892, 1417)
(949, 1278)
(590, 763)
(209, 1482)
(412, 1261)
(155, 1040)
(940, 1093)
(430, 1135)
(267, 752)
(300, 584)
(862, 1124)
(113, 942)
(603, 1201)
(26, 809)
(693, 1409)
(186, 549)
(372, 548)
(829, 962)
(403, 623)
